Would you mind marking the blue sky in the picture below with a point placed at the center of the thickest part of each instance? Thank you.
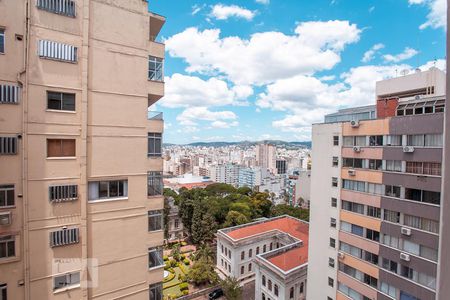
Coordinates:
(268, 69)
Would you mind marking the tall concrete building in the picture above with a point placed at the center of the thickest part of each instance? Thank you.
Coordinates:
(80, 156)
(266, 157)
(376, 196)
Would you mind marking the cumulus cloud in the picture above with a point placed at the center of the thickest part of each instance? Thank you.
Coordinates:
(437, 17)
(192, 115)
(187, 91)
(267, 56)
(265, 2)
(223, 12)
(406, 54)
(370, 54)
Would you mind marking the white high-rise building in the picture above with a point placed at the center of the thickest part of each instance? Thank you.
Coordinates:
(266, 156)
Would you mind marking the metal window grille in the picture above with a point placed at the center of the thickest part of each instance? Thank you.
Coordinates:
(9, 94)
(58, 51)
(8, 145)
(63, 193)
(64, 237)
(62, 7)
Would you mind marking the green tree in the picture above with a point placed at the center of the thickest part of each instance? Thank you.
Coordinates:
(296, 212)
(176, 253)
(205, 252)
(203, 226)
(231, 288)
(235, 218)
(202, 272)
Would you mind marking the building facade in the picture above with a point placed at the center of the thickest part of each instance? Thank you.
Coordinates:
(80, 156)
(266, 157)
(275, 248)
(175, 226)
(376, 191)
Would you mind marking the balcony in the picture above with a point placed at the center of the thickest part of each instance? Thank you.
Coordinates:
(156, 23)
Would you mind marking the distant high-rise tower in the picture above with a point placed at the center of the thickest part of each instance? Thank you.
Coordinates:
(266, 156)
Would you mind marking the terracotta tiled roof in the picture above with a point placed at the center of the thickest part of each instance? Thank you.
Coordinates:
(289, 259)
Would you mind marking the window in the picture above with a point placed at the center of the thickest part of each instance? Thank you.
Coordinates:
(373, 235)
(353, 185)
(264, 248)
(60, 101)
(61, 148)
(270, 246)
(275, 289)
(333, 222)
(291, 292)
(391, 216)
(393, 140)
(269, 285)
(155, 257)
(2, 41)
(331, 262)
(9, 94)
(66, 280)
(250, 253)
(388, 290)
(335, 162)
(432, 169)
(356, 163)
(423, 196)
(6, 195)
(257, 250)
(333, 202)
(155, 291)
(330, 281)
(7, 246)
(375, 189)
(392, 191)
(374, 212)
(3, 291)
(408, 272)
(8, 145)
(250, 267)
(62, 7)
(302, 287)
(370, 257)
(155, 68)
(64, 237)
(335, 140)
(99, 190)
(263, 297)
(242, 270)
(433, 140)
(376, 140)
(334, 182)
(62, 193)
(353, 207)
(375, 164)
(57, 51)
(154, 144)
(332, 243)
(421, 223)
(394, 165)
(242, 255)
(155, 220)
(154, 183)
(263, 280)
(176, 223)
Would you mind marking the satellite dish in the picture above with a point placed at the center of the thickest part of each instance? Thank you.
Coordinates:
(404, 72)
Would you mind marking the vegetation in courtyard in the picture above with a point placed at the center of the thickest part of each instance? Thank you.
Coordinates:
(231, 288)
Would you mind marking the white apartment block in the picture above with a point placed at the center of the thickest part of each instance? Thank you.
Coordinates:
(275, 248)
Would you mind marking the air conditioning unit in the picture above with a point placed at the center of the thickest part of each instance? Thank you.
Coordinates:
(5, 219)
(341, 255)
(406, 231)
(351, 172)
(357, 149)
(408, 149)
(404, 256)
(354, 124)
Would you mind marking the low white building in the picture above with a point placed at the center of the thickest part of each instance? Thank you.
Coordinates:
(274, 252)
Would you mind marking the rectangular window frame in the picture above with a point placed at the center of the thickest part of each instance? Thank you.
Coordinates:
(95, 190)
(2, 41)
(7, 246)
(155, 220)
(155, 184)
(7, 196)
(155, 258)
(66, 101)
(154, 148)
(68, 280)
(8, 145)
(155, 68)
(65, 145)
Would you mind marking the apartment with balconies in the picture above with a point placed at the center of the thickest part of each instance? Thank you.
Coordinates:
(80, 153)
(376, 195)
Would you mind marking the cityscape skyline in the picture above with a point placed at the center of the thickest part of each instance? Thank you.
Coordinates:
(207, 100)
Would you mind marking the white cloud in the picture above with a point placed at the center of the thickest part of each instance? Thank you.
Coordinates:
(223, 12)
(188, 91)
(437, 17)
(265, 2)
(267, 56)
(190, 117)
(222, 124)
(405, 55)
(197, 8)
(370, 54)
(438, 63)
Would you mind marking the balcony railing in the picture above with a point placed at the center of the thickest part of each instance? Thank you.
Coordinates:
(155, 115)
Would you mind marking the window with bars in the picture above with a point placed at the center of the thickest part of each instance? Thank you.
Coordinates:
(66, 280)
(64, 237)
(155, 257)
(6, 195)
(155, 220)
(155, 68)
(61, 148)
(57, 51)
(2, 40)
(154, 144)
(61, 7)
(155, 291)
(9, 94)
(63, 193)
(7, 246)
(335, 140)
(8, 145)
(101, 190)
(154, 183)
(60, 101)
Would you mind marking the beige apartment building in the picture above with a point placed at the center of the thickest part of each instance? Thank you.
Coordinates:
(80, 155)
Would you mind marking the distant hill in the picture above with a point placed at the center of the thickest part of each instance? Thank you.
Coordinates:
(246, 143)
